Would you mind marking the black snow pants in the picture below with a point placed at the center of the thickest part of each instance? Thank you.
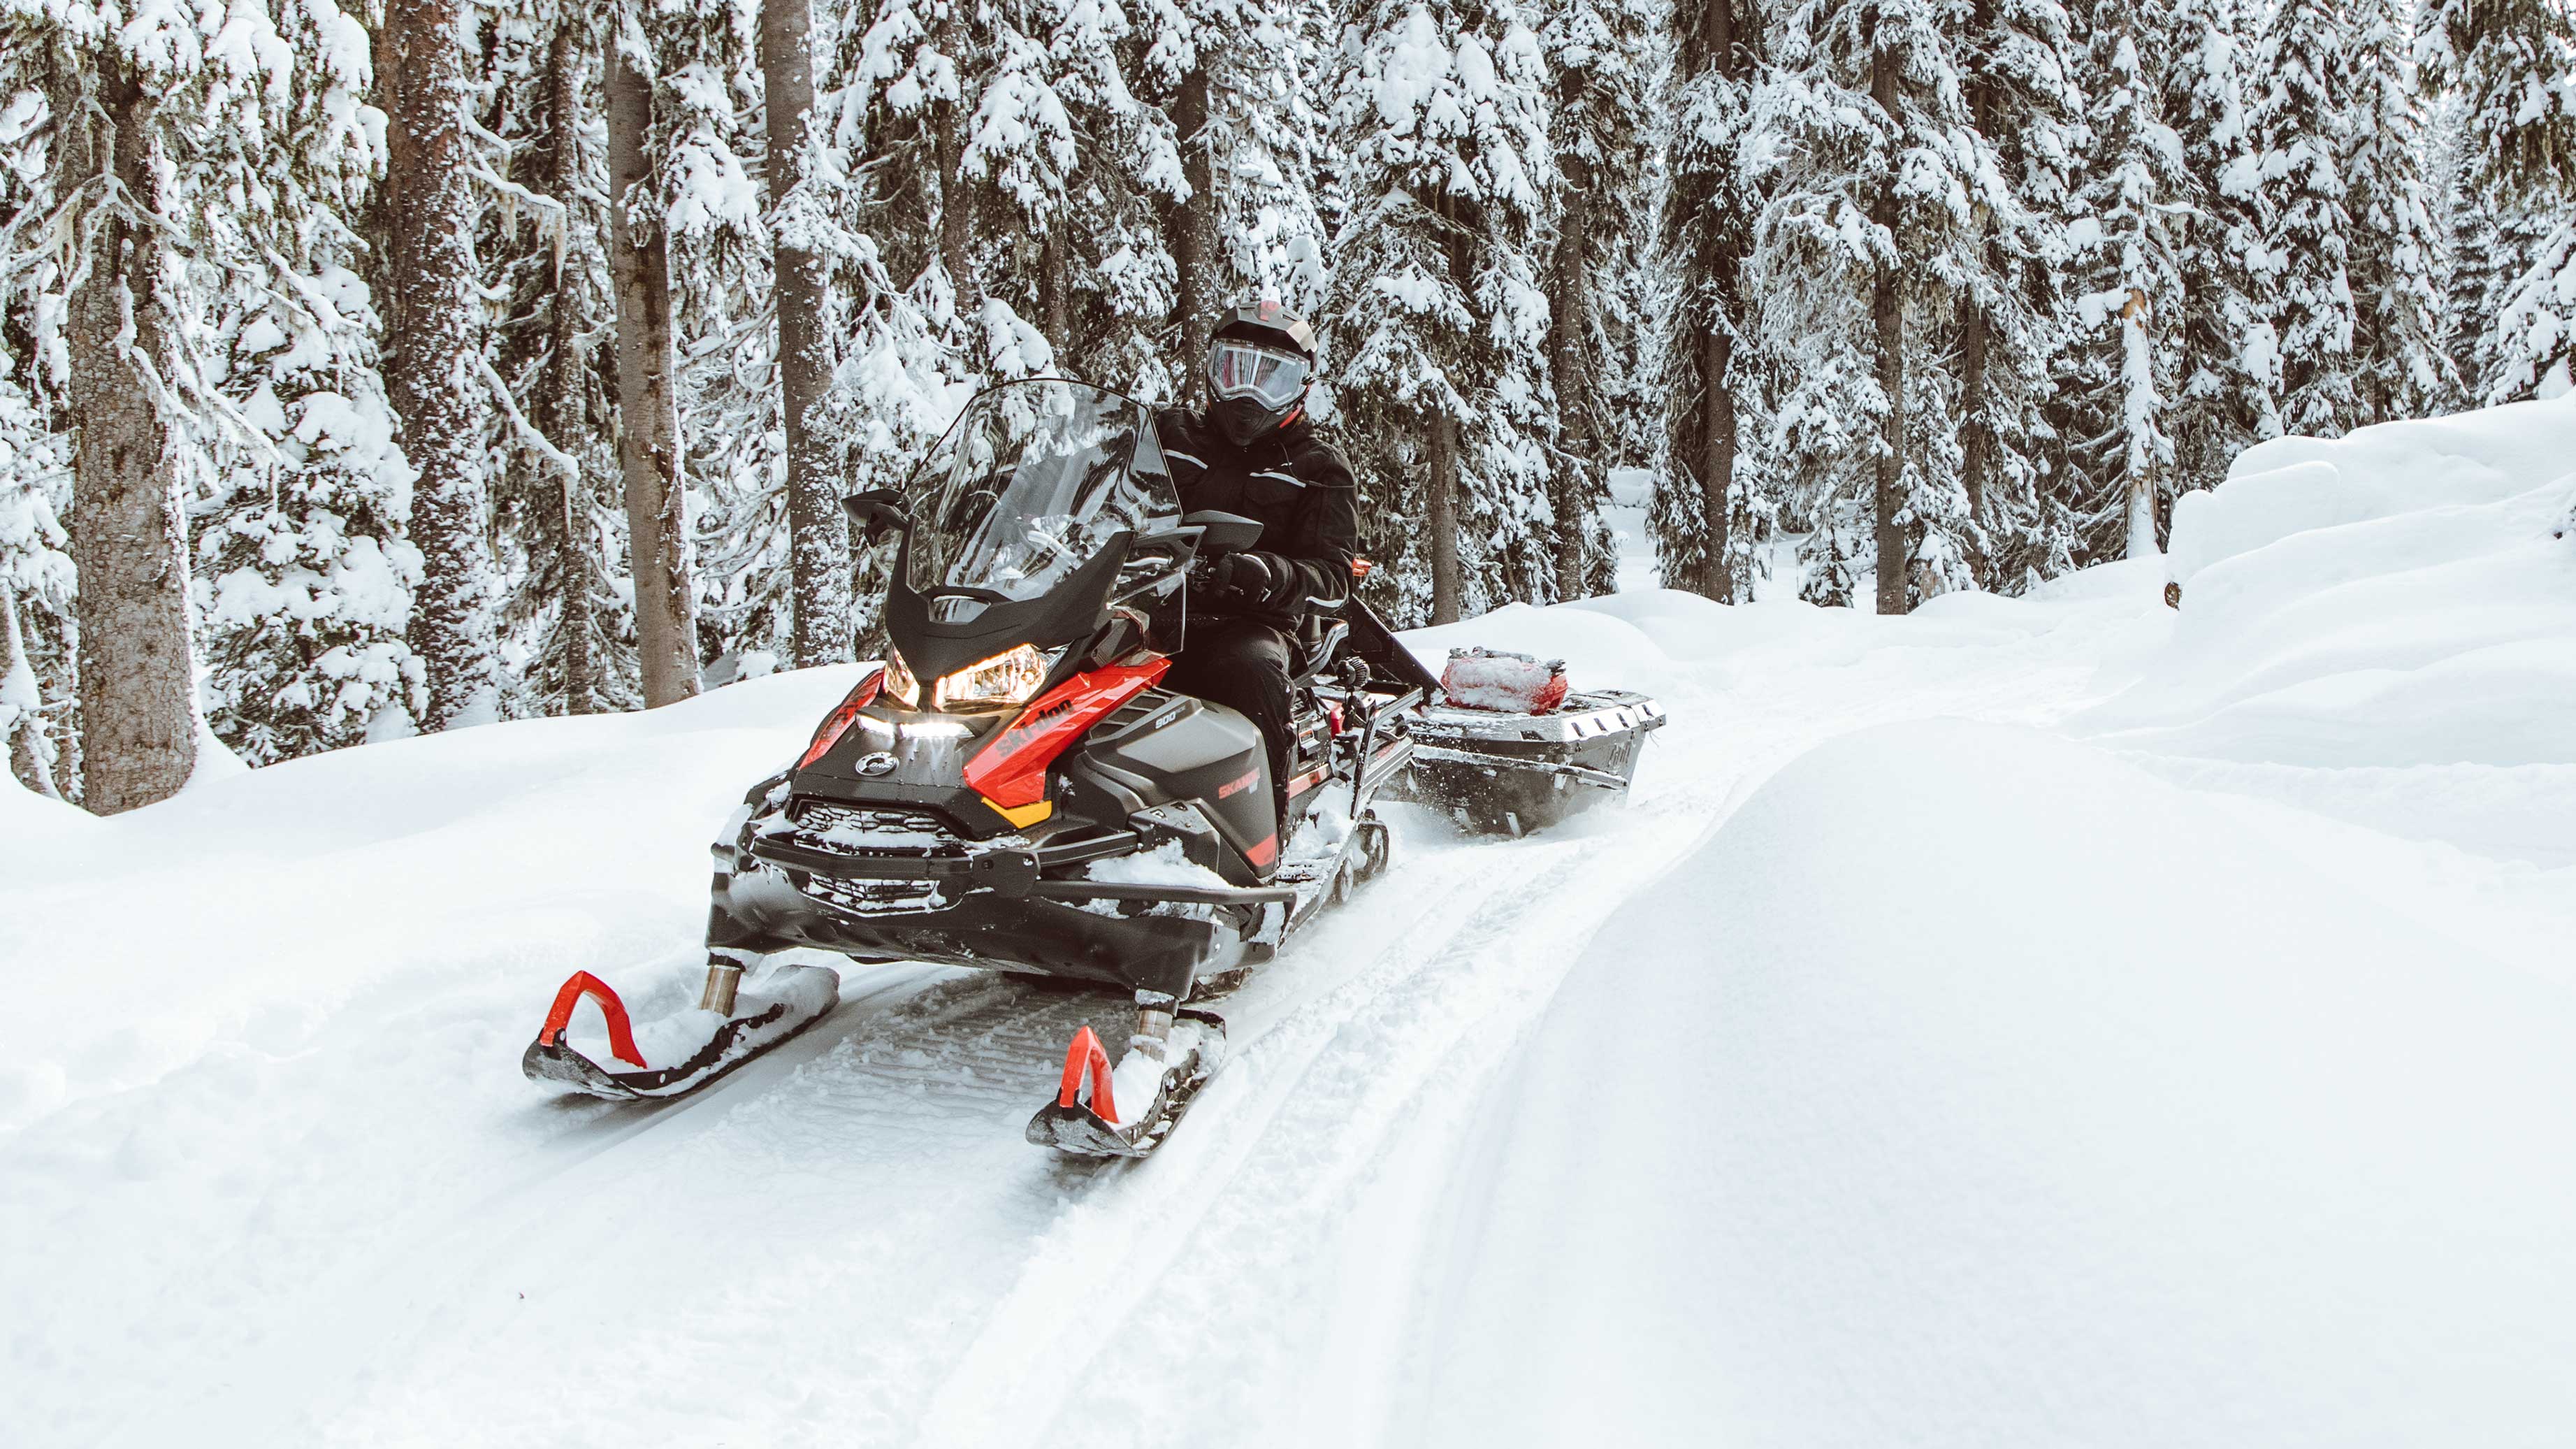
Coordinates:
(1243, 665)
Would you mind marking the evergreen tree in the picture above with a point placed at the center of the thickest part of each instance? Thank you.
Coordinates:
(36, 584)
(2017, 59)
(1598, 52)
(2302, 123)
(2229, 366)
(2512, 64)
(1439, 313)
(1710, 364)
(2130, 306)
(2397, 352)
(1862, 246)
(304, 581)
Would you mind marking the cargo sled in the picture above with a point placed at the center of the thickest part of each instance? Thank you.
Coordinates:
(1502, 743)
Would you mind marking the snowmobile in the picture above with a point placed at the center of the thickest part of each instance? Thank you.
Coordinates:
(1014, 790)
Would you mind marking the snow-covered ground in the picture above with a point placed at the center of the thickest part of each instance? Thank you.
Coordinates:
(2047, 1021)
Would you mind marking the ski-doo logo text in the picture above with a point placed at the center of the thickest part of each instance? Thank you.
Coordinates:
(876, 766)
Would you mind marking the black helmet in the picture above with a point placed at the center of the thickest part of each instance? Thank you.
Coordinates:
(1260, 362)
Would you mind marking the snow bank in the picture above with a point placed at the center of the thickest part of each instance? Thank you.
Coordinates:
(255, 905)
(2402, 599)
(1972, 1087)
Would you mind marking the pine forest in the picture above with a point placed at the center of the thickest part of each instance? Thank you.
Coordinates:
(377, 367)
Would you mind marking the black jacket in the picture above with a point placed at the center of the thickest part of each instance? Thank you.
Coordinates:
(1296, 485)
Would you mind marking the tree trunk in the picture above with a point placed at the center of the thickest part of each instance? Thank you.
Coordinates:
(563, 387)
(1976, 430)
(1055, 295)
(948, 152)
(648, 433)
(129, 537)
(1886, 305)
(1717, 457)
(1189, 225)
(1710, 45)
(1569, 360)
(817, 542)
(1447, 597)
(430, 345)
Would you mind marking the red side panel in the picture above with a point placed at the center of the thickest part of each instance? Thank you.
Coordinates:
(621, 1032)
(1011, 771)
(829, 732)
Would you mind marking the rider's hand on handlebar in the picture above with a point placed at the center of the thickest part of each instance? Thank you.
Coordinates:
(1254, 579)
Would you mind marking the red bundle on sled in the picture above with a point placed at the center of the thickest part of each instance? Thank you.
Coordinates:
(1499, 680)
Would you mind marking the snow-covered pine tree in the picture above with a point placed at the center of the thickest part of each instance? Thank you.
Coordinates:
(303, 577)
(1877, 176)
(1438, 313)
(2398, 359)
(2229, 368)
(200, 168)
(1706, 244)
(2512, 66)
(2017, 57)
(1231, 76)
(1600, 54)
(36, 577)
(2302, 124)
(433, 323)
(569, 637)
(2129, 304)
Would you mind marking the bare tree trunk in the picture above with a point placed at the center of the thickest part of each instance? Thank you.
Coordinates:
(1055, 295)
(1569, 360)
(563, 387)
(1708, 43)
(1976, 435)
(948, 152)
(1189, 225)
(129, 540)
(817, 543)
(1448, 598)
(430, 345)
(648, 434)
(1976, 429)
(1887, 310)
(1717, 457)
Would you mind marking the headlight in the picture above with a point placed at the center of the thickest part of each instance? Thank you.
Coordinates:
(1011, 677)
(899, 681)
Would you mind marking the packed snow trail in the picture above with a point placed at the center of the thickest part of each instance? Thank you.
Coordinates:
(1738, 1109)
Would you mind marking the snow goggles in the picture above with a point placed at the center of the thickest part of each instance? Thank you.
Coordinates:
(1244, 369)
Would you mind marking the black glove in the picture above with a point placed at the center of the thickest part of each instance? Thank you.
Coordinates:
(1255, 580)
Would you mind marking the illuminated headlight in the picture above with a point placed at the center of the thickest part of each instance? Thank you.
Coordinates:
(1011, 677)
(899, 681)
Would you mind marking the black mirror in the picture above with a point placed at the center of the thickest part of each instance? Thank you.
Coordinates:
(1221, 533)
(874, 512)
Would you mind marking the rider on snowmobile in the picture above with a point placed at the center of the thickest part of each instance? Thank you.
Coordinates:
(1254, 452)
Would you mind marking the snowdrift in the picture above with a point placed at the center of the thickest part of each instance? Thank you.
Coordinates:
(2380, 627)
(1972, 1087)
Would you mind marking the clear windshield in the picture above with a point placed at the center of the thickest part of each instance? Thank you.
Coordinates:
(1031, 484)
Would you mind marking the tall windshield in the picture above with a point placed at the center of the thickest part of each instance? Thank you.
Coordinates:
(1031, 484)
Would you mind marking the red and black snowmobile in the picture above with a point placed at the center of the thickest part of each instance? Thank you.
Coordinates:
(1014, 790)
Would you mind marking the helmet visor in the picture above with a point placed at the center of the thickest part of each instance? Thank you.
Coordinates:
(1243, 369)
